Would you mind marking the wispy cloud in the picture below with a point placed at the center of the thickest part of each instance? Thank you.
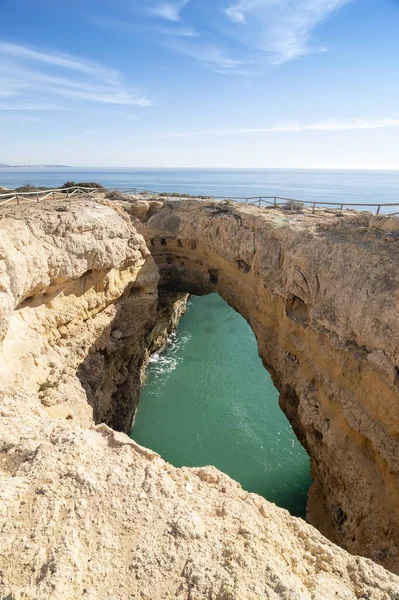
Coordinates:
(178, 31)
(170, 11)
(252, 33)
(322, 126)
(6, 93)
(31, 106)
(61, 60)
(19, 118)
(24, 70)
(133, 27)
(281, 28)
(212, 56)
(234, 37)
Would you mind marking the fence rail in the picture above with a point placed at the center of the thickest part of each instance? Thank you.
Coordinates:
(271, 201)
(277, 201)
(39, 195)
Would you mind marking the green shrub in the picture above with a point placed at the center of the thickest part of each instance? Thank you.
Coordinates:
(69, 184)
(86, 184)
(179, 195)
(91, 184)
(117, 195)
(29, 188)
(294, 206)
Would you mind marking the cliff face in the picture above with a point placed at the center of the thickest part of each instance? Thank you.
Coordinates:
(321, 295)
(86, 512)
(79, 309)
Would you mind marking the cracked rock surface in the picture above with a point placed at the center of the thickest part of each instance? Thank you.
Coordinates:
(87, 513)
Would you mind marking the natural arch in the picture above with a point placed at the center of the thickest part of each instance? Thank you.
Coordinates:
(319, 308)
(82, 293)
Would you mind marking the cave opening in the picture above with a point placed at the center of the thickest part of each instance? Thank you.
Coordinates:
(209, 400)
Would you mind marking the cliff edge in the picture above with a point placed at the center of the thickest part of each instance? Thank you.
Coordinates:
(87, 291)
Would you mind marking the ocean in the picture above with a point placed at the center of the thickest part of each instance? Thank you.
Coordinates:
(208, 399)
(364, 187)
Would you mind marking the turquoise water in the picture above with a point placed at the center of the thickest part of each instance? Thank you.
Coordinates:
(305, 184)
(209, 400)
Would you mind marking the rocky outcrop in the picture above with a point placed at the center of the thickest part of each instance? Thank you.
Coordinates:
(87, 513)
(79, 309)
(321, 295)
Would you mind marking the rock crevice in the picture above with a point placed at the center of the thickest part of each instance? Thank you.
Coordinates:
(321, 297)
(87, 290)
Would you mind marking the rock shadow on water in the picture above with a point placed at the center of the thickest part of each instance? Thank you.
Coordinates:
(210, 395)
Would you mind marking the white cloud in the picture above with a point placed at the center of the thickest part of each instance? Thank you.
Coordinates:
(178, 31)
(18, 118)
(322, 126)
(31, 106)
(53, 74)
(274, 31)
(282, 28)
(110, 97)
(134, 28)
(168, 10)
(212, 56)
(235, 13)
(60, 60)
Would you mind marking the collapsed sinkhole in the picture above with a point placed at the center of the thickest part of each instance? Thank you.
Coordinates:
(246, 435)
(209, 400)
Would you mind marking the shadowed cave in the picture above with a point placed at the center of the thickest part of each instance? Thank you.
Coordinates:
(297, 355)
(183, 270)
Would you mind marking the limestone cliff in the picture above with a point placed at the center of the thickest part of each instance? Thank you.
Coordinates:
(87, 513)
(79, 309)
(321, 294)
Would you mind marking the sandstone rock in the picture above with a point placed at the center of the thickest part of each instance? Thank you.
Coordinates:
(320, 294)
(85, 512)
(76, 511)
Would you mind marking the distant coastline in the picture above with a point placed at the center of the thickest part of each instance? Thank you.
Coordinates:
(3, 166)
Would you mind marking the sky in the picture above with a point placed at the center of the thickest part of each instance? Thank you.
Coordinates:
(200, 83)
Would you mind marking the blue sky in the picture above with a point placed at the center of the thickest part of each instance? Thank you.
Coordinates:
(200, 83)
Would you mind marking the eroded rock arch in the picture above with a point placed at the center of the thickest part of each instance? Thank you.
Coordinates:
(83, 302)
(321, 297)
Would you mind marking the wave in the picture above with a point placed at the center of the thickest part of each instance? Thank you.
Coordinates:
(162, 364)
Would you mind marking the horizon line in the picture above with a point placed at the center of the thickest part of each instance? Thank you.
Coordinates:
(38, 166)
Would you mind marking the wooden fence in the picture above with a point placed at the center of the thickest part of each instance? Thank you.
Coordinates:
(267, 201)
(39, 195)
(278, 201)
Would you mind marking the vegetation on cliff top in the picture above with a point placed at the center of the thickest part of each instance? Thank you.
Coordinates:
(28, 187)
